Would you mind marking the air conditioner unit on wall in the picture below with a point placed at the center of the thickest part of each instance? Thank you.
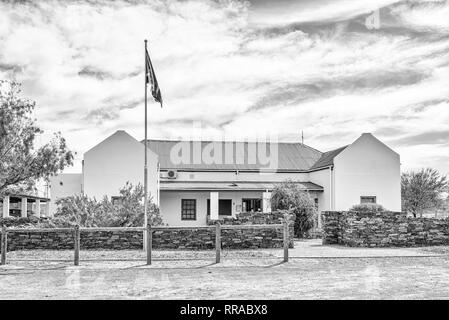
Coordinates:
(172, 174)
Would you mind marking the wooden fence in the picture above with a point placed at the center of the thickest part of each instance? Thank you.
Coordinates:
(76, 231)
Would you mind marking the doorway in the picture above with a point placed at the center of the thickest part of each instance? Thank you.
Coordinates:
(224, 207)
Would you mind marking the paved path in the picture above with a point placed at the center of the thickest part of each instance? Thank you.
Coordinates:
(314, 248)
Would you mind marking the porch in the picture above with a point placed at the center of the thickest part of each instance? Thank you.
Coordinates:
(20, 205)
(194, 203)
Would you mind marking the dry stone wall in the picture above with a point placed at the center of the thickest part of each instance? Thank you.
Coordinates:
(192, 239)
(383, 229)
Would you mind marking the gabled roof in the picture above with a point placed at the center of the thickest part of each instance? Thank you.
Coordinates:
(327, 158)
(119, 135)
(291, 156)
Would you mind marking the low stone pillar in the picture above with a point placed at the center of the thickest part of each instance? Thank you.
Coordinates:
(38, 208)
(266, 201)
(24, 208)
(214, 206)
(6, 207)
(47, 209)
(320, 223)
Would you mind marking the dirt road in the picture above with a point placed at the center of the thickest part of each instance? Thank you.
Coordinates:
(258, 278)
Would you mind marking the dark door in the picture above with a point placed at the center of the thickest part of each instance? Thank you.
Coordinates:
(224, 207)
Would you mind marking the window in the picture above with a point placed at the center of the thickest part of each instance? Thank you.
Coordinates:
(251, 205)
(116, 200)
(368, 199)
(224, 207)
(188, 209)
(316, 203)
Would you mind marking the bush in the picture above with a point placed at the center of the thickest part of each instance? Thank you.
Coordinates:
(289, 196)
(367, 207)
(88, 212)
(20, 222)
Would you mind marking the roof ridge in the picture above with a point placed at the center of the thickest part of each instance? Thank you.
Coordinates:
(344, 147)
(327, 158)
(233, 141)
(290, 155)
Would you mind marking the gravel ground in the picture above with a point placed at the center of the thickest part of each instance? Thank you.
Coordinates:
(258, 274)
(326, 278)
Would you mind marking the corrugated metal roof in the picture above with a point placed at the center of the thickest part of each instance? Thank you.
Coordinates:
(327, 159)
(32, 197)
(290, 156)
(229, 186)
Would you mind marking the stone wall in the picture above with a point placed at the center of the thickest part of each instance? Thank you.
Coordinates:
(192, 239)
(257, 218)
(383, 229)
(256, 238)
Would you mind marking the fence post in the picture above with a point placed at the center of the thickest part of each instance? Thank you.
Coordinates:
(217, 242)
(77, 245)
(4, 245)
(286, 240)
(149, 243)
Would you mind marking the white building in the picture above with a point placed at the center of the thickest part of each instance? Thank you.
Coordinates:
(200, 178)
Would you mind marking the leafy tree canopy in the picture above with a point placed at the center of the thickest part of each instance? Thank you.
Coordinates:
(289, 196)
(21, 163)
(127, 211)
(422, 190)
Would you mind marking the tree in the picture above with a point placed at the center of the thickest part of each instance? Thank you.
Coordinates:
(78, 210)
(21, 164)
(129, 210)
(289, 196)
(422, 190)
(88, 212)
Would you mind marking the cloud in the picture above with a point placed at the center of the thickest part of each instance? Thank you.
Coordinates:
(427, 138)
(98, 116)
(428, 15)
(325, 88)
(241, 68)
(93, 72)
(270, 13)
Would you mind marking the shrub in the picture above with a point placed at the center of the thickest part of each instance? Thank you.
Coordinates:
(289, 196)
(88, 212)
(78, 210)
(21, 222)
(367, 207)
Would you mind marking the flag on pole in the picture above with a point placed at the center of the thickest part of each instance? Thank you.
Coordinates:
(151, 78)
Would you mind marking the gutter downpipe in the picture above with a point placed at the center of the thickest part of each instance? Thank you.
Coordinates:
(158, 198)
(331, 189)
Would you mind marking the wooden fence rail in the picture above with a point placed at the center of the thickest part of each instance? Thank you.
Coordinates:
(252, 226)
(39, 230)
(149, 245)
(149, 230)
(77, 245)
(112, 229)
(4, 245)
(217, 242)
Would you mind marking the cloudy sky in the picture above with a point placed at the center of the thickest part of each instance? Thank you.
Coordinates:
(240, 67)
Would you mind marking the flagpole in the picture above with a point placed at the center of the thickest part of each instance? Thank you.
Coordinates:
(145, 170)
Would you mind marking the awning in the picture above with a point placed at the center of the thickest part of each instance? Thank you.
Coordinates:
(29, 197)
(174, 185)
